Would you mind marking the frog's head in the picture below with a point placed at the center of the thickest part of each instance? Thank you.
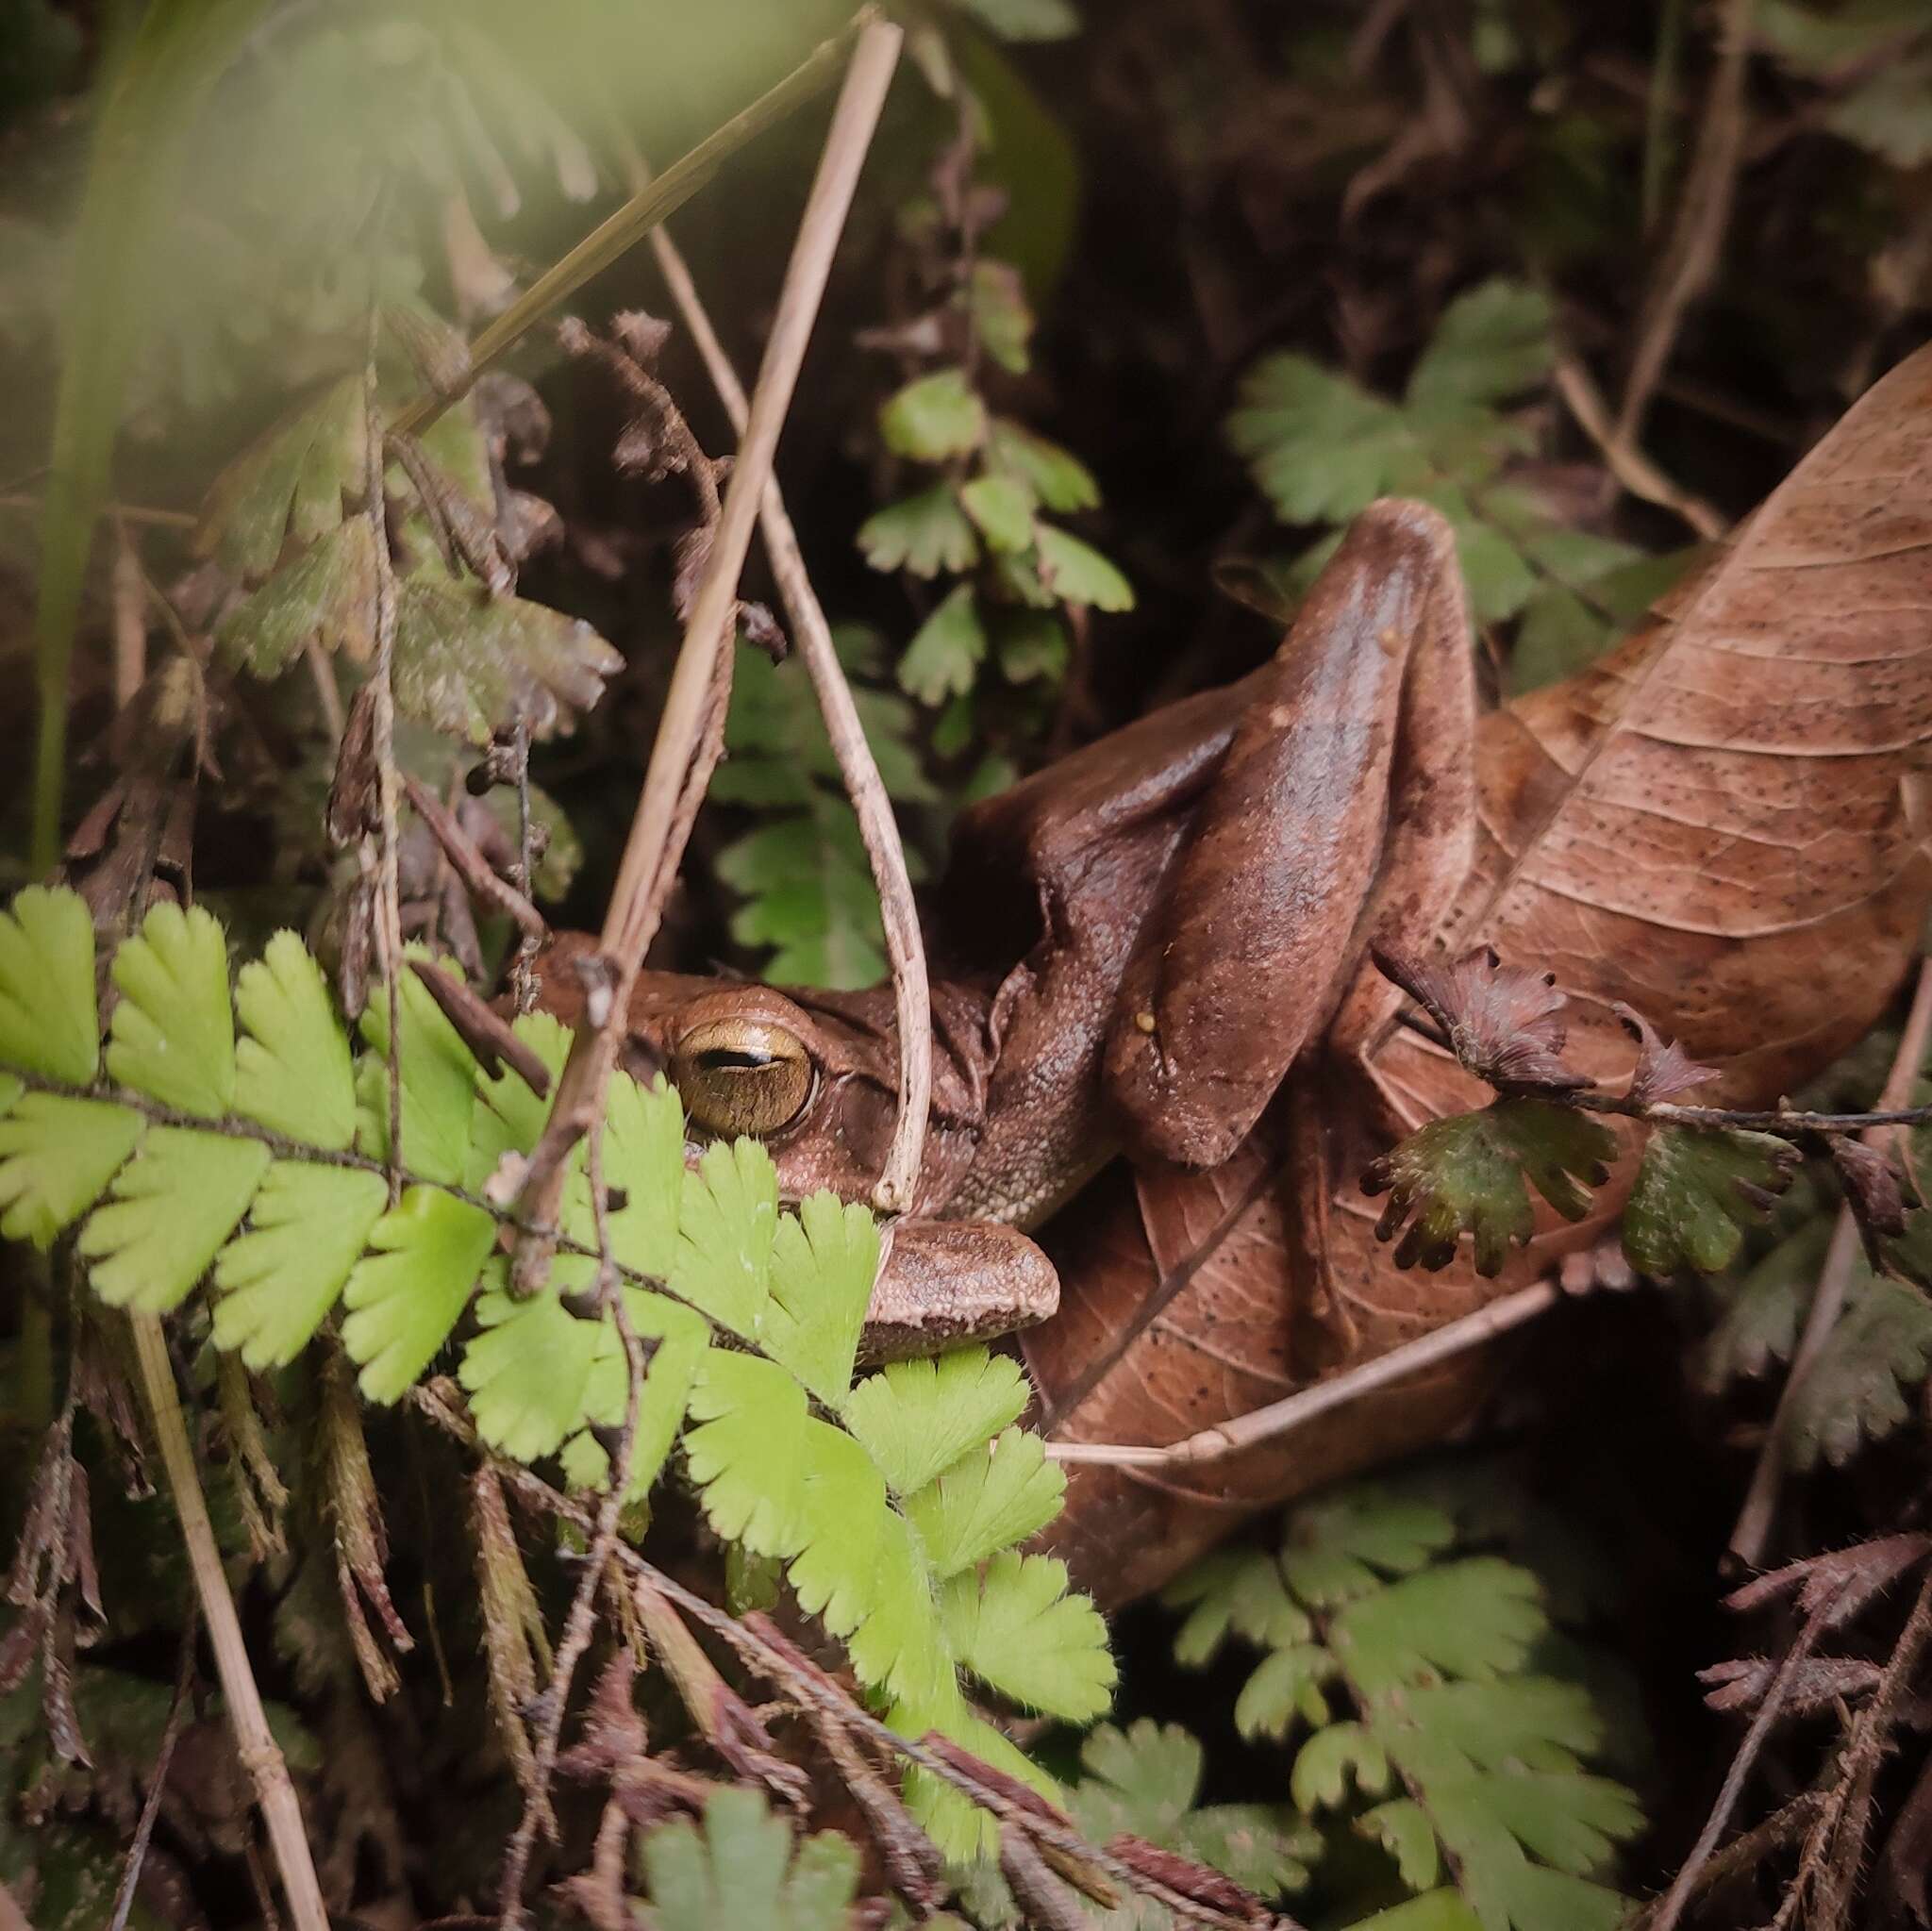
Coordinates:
(813, 1075)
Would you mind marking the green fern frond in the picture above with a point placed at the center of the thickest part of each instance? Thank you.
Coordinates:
(258, 1158)
(1320, 448)
(1147, 1780)
(918, 1417)
(1457, 1754)
(802, 871)
(744, 1868)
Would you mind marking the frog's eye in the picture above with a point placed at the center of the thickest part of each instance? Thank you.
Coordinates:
(742, 1076)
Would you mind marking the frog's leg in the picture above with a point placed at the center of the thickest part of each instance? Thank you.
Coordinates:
(1343, 813)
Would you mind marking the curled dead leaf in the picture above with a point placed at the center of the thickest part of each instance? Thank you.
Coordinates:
(1502, 1023)
(1665, 1071)
(1878, 1191)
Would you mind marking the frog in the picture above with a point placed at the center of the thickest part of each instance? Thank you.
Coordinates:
(1163, 1052)
(1108, 979)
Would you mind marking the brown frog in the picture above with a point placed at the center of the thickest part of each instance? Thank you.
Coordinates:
(1157, 948)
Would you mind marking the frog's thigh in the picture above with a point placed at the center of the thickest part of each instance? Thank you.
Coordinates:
(1429, 846)
(1286, 857)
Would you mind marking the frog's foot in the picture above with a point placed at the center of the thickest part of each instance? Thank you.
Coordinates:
(941, 1282)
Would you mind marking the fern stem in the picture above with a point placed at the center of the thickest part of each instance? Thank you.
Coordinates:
(238, 1126)
(613, 237)
(1670, 1908)
(1690, 256)
(260, 1755)
(156, 1782)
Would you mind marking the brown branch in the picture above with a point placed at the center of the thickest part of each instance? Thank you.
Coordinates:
(121, 512)
(329, 694)
(487, 1034)
(1746, 1852)
(1631, 467)
(522, 989)
(1833, 1849)
(1752, 1533)
(871, 805)
(473, 868)
(677, 768)
(1787, 1122)
(130, 602)
(255, 1743)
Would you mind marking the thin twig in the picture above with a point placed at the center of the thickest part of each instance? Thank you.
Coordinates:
(658, 828)
(614, 237)
(1661, 107)
(1690, 257)
(328, 697)
(1631, 467)
(1746, 1852)
(261, 1756)
(388, 916)
(1270, 1424)
(1670, 1908)
(579, 1624)
(238, 1126)
(522, 990)
(872, 807)
(158, 1779)
(1788, 1122)
(122, 512)
(1752, 1533)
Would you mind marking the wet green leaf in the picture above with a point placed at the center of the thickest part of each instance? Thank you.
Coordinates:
(1466, 1174)
(1057, 477)
(1076, 573)
(946, 650)
(923, 534)
(1696, 1191)
(933, 417)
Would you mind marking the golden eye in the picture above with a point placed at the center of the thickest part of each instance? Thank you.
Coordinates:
(742, 1076)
